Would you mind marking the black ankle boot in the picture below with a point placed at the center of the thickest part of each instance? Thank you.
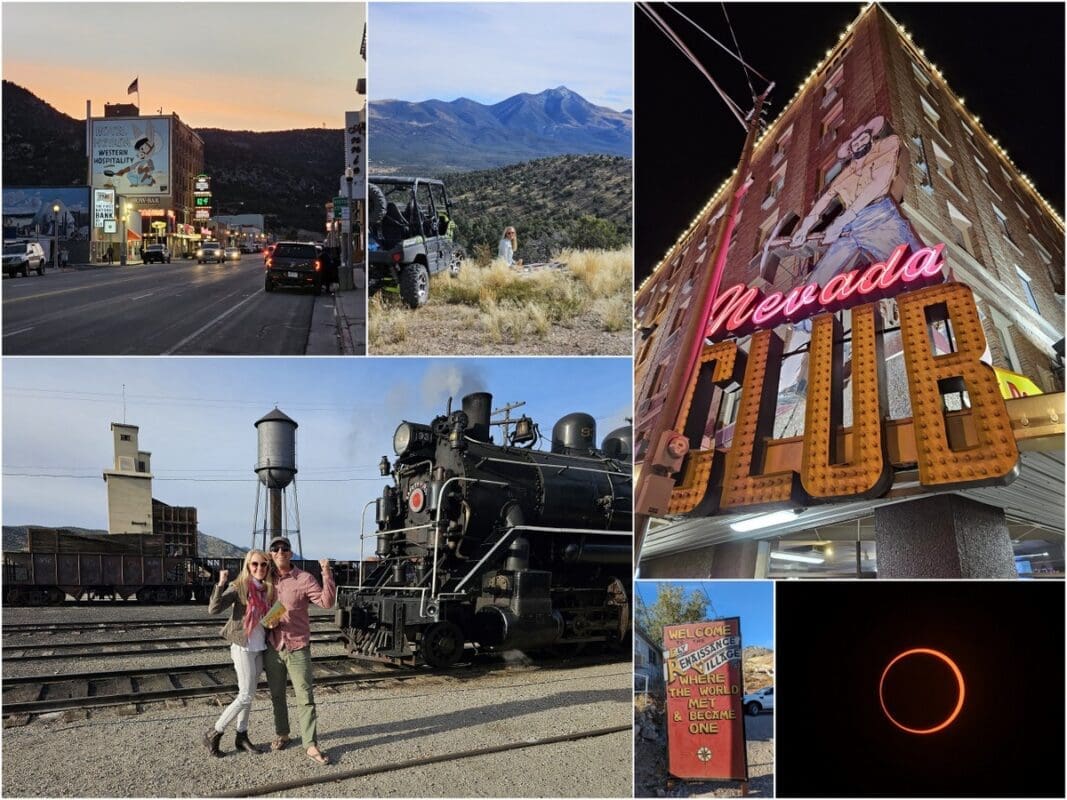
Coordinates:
(211, 741)
(242, 743)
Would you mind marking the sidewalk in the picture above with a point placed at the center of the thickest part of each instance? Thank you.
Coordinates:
(339, 321)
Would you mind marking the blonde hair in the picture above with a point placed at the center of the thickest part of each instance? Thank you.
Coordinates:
(240, 583)
(514, 240)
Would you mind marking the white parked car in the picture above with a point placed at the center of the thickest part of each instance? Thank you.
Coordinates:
(763, 700)
(22, 257)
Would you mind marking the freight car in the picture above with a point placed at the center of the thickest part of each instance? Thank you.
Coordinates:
(59, 563)
(495, 546)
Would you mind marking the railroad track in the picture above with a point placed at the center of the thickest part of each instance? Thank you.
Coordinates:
(114, 625)
(163, 645)
(39, 694)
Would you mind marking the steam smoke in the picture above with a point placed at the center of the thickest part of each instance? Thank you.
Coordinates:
(455, 379)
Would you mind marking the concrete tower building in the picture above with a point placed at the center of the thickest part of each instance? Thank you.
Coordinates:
(129, 484)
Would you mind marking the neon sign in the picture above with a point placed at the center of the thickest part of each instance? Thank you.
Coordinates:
(742, 309)
(854, 463)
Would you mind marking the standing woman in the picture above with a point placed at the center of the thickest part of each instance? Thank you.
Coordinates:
(249, 597)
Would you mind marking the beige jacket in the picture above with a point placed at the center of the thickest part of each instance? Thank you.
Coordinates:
(234, 629)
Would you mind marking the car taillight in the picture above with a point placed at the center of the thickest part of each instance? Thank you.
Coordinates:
(318, 266)
(396, 258)
(269, 262)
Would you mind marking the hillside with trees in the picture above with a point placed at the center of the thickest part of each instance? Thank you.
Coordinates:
(563, 202)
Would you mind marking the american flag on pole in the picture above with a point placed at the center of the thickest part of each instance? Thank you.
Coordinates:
(133, 86)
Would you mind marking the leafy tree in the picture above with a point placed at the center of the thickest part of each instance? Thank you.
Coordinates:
(593, 233)
(672, 607)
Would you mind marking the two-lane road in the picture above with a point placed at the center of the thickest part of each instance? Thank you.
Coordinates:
(182, 308)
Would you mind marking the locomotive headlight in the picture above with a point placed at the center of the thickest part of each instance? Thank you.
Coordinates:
(410, 437)
(402, 438)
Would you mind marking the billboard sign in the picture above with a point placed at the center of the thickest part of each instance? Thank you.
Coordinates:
(132, 156)
(705, 723)
(202, 185)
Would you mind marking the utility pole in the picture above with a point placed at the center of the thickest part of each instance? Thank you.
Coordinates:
(667, 446)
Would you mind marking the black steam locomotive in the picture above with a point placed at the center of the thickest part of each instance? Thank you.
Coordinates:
(496, 546)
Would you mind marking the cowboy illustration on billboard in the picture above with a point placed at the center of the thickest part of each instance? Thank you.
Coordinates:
(870, 224)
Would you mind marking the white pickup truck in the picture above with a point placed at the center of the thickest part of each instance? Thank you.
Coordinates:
(763, 700)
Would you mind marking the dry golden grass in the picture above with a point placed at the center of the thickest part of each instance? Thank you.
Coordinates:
(605, 273)
(595, 280)
(387, 323)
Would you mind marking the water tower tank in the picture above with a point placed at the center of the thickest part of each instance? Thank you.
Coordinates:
(276, 464)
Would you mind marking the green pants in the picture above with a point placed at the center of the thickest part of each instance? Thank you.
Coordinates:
(297, 664)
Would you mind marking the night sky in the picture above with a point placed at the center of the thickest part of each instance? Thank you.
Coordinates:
(833, 641)
(1007, 61)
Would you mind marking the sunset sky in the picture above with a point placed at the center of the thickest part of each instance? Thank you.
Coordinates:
(238, 66)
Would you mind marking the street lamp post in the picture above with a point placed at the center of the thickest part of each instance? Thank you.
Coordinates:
(55, 235)
(123, 234)
(349, 175)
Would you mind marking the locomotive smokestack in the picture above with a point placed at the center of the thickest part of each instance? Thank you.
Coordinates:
(478, 406)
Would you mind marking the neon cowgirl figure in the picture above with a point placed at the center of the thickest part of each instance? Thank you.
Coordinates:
(870, 223)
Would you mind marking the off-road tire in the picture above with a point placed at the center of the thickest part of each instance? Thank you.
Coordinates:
(414, 284)
(456, 262)
(375, 205)
(41, 268)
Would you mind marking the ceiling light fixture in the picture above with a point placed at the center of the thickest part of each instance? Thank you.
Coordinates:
(764, 521)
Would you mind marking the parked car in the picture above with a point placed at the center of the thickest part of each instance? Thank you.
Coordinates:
(233, 254)
(21, 256)
(156, 252)
(763, 700)
(412, 236)
(209, 251)
(294, 264)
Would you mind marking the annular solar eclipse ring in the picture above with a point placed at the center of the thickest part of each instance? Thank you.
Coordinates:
(959, 680)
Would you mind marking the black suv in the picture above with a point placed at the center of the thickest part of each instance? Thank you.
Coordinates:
(155, 252)
(294, 264)
(411, 236)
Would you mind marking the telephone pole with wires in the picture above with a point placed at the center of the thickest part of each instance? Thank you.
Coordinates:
(667, 444)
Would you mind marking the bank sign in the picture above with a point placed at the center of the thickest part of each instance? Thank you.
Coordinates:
(103, 207)
(705, 723)
(973, 446)
(132, 157)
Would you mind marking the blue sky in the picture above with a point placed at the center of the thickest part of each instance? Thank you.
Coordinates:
(753, 601)
(196, 418)
(490, 51)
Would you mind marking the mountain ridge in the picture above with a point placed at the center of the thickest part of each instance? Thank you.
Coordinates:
(464, 135)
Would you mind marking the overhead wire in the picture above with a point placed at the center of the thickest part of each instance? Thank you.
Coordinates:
(744, 66)
(680, 45)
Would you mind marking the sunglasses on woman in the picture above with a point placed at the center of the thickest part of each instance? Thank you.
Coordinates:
(258, 564)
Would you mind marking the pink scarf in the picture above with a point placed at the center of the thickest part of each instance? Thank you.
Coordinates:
(257, 606)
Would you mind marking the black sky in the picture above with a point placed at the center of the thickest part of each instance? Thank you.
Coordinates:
(1006, 60)
(834, 639)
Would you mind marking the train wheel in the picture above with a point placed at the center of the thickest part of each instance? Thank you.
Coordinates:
(56, 596)
(442, 644)
(146, 596)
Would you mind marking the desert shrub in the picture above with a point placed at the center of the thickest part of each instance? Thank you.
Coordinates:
(387, 323)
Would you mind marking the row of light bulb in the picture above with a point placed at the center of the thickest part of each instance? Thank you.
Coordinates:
(848, 29)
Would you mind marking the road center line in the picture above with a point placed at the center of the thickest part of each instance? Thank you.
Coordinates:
(204, 327)
(21, 330)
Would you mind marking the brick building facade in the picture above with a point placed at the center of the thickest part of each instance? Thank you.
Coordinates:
(953, 184)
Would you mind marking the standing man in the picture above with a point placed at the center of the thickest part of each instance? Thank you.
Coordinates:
(290, 649)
